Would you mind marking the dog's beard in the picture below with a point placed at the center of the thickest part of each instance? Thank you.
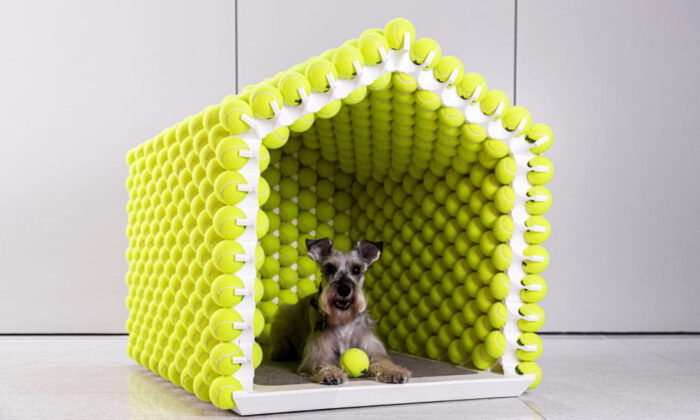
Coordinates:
(340, 310)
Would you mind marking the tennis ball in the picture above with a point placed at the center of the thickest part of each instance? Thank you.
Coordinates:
(480, 359)
(512, 119)
(306, 287)
(396, 30)
(468, 85)
(325, 211)
(262, 224)
(504, 199)
(257, 355)
(317, 72)
(262, 99)
(530, 309)
(370, 43)
(289, 188)
(499, 286)
(288, 278)
(530, 368)
(277, 138)
(221, 358)
(472, 133)
(356, 96)
(306, 222)
(263, 191)
(221, 391)
(224, 256)
(533, 296)
(222, 322)
(223, 290)
(493, 99)
(489, 186)
(495, 149)
(495, 344)
(444, 69)
(420, 50)
(529, 339)
(534, 237)
(505, 170)
(354, 362)
(450, 117)
(288, 233)
(226, 187)
(306, 266)
(537, 132)
(497, 315)
(536, 177)
(270, 244)
(484, 300)
(330, 110)
(303, 123)
(382, 83)
(289, 85)
(288, 255)
(258, 322)
(501, 257)
(227, 153)
(489, 214)
(535, 207)
(288, 211)
(225, 222)
(427, 100)
(535, 267)
(270, 289)
(404, 83)
(230, 114)
(344, 59)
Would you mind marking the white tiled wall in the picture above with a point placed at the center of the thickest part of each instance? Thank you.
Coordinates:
(82, 82)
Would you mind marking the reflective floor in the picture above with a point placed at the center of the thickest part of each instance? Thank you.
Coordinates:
(588, 377)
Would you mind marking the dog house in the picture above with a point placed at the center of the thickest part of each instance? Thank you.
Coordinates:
(384, 138)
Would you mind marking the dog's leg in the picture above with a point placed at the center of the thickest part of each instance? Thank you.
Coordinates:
(381, 368)
(320, 360)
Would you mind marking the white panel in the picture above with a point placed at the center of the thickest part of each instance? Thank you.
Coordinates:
(82, 82)
(275, 35)
(618, 83)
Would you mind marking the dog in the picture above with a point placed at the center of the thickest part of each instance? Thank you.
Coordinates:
(320, 327)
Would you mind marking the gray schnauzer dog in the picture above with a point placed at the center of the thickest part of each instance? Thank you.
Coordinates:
(319, 328)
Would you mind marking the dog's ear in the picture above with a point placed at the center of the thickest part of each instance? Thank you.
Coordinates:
(369, 251)
(319, 249)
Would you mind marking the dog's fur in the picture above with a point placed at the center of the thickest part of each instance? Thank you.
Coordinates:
(319, 328)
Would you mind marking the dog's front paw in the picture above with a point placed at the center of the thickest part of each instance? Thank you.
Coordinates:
(330, 375)
(389, 373)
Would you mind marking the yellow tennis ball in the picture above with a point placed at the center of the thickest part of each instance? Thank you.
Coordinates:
(450, 117)
(227, 153)
(530, 368)
(541, 230)
(537, 207)
(495, 149)
(277, 138)
(481, 359)
(226, 187)
(330, 110)
(535, 267)
(512, 118)
(529, 339)
(420, 50)
(501, 257)
(497, 315)
(533, 296)
(530, 309)
(467, 86)
(537, 132)
(370, 42)
(472, 133)
(222, 322)
(221, 391)
(404, 83)
(226, 222)
(444, 69)
(505, 170)
(356, 96)
(344, 59)
(318, 71)
(493, 99)
(262, 99)
(499, 286)
(302, 124)
(396, 30)
(230, 114)
(354, 362)
(495, 344)
(289, 84)
(382, 83)
(537, 177)
(223, 290)
(427, 100)
(504, 199)
(224, 256)
(221, 358)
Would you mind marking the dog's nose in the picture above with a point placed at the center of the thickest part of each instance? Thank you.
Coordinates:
(344, 290)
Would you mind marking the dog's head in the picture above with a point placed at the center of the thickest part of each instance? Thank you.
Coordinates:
(343, 274)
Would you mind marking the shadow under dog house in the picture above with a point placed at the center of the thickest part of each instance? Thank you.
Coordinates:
(383, 138)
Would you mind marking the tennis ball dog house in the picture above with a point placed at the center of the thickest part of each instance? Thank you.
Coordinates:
(386, 139)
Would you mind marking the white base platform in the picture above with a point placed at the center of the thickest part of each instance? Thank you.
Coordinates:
(362, 393)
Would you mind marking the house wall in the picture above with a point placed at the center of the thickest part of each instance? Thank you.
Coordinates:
(83, 82)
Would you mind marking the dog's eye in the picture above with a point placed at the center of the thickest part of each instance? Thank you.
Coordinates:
(356, 269)
(330, 269)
